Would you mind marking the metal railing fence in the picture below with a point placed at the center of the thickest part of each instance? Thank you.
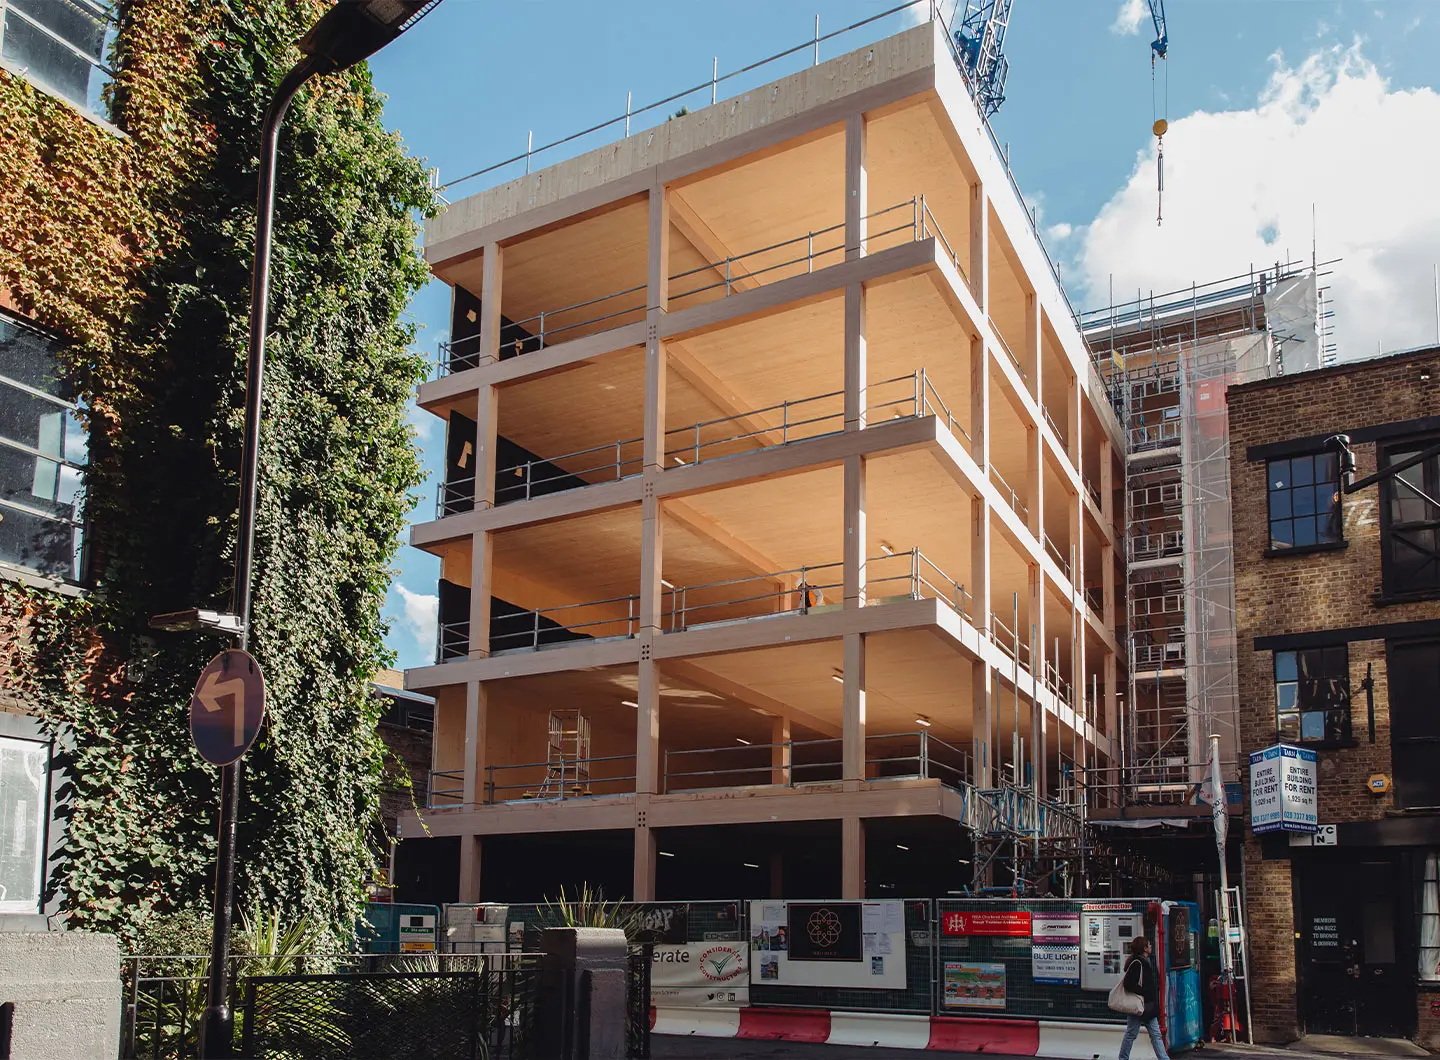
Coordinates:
(795, 763)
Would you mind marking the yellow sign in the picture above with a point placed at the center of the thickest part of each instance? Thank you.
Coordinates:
(1379, 783)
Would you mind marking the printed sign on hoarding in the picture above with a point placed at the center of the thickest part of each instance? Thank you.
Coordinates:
(1282, 790)
(968, 922)
(417, 933)
(970, 985)
(828, 944)
(1055, 948)
(709, 974)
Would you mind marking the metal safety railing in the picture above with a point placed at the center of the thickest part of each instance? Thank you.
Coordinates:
(800, 590)
(545, 623)
(1008, 491)
(446, 788)
(574, 778)
(912, 395)
(1061, 559)
(910, 220)
(454, 496)
(794, 763)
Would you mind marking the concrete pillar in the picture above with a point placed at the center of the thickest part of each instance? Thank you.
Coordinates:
(852, 858)
(857, 192)
(582, 997)
(470, 869)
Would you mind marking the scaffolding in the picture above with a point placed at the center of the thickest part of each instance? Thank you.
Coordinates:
(567, 757)
(1167, 361)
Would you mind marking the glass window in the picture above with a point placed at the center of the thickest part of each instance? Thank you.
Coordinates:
(1304, 501)
(24, 765)
(1312, 695)
(1411, 519)
(59, 45)
(42, 456)
(1429, 907)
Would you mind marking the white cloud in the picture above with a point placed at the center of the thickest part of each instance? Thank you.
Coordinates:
(1059, 231)
(1239, 188)
(1128, 18)
(419, 615)
(915, 14)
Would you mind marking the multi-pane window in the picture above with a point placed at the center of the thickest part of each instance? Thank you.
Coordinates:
(1312, 695)
(59, 45)
(42, 457)
(1304, 502)
(1411, 556)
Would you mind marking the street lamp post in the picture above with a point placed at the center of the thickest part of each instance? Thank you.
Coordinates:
(348, 33)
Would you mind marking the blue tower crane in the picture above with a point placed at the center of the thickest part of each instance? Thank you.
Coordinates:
(981, 43)
(1161, 44)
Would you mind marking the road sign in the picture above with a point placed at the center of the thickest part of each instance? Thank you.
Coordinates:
(227, 707)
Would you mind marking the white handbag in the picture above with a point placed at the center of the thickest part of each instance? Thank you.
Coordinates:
(1121, 1000)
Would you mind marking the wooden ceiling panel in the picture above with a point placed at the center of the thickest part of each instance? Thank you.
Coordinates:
(907, 155)
(779, 196)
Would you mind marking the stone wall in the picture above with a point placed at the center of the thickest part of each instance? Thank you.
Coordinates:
(65, 986)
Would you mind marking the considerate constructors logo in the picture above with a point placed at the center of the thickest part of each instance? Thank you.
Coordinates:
(720, 964)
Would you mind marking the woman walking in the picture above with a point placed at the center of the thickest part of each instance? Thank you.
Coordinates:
(1142, 978)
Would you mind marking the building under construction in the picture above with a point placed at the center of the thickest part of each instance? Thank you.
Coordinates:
(1167, 360)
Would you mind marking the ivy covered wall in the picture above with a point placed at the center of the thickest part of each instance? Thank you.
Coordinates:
(138, 248)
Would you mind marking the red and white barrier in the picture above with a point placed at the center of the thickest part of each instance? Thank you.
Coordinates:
(1018, 1037)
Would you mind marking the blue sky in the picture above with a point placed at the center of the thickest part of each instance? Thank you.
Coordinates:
(1280, 111)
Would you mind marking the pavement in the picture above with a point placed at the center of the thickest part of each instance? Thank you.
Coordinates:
(672, 1047)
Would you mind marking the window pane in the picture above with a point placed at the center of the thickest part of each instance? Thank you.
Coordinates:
(1326, 470)
(1312, 725)
(1329, 527)
(22, 823)
(1337, 725)
(1417, 781)
(1302, 470)
(39, 544)
(1288, 726)
(1305, 532)
(29, 357)
(1279, 474)
(1337, 661)
(1287, 695)
(31, 420)
(46, 60)
(1285, 666)
(1412, 566)
(1327, 498)
(1282, 534)
(1303, 499)
(1280, 504)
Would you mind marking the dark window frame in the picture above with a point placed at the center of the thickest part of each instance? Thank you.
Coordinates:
(1285, 525)
(1395, 586)
(1311, 682)
(1428, 744)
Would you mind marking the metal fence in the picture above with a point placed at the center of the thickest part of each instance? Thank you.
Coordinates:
(403, 1015)
(356, 1006)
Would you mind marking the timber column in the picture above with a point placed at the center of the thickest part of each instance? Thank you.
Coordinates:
(647, 714)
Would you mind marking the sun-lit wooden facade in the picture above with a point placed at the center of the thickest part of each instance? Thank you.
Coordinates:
(840, 477)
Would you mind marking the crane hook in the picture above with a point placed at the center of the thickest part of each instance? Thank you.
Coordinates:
(1160, 127)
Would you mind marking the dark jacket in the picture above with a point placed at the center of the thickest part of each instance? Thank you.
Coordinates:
(1142, 978)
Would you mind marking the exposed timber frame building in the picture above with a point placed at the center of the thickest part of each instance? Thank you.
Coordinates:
(780, 512)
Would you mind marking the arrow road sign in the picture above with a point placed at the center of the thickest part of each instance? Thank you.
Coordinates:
(227, 707)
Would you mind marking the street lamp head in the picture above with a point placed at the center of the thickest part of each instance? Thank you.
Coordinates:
(354, 30)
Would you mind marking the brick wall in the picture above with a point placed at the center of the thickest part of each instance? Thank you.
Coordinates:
(1318, 591)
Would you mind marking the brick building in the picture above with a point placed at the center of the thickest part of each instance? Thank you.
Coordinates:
(1338, 620)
